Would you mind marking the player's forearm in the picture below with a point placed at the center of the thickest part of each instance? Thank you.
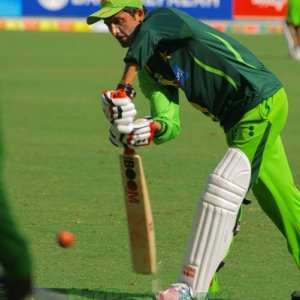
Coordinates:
(163, 130)
(164, 103)
(168, 130)
(130, 73)
(157, 126)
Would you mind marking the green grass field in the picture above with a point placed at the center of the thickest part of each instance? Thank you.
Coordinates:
(61, 172)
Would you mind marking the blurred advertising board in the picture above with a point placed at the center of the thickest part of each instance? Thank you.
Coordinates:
(10, 8)
(259, 8)
(200, 9)
(60, 8)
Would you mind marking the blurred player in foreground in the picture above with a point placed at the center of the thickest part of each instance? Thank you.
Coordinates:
(292, 31)
(14, 254)
(169, 50)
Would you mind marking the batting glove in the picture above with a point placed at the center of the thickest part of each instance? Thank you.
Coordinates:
(116, 137)
(141, 134)
(118, 109)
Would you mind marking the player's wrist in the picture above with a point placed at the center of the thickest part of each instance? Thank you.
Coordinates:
(128, 88)
(160, 128)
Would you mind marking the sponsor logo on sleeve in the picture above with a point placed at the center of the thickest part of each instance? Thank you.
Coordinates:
(181, 75)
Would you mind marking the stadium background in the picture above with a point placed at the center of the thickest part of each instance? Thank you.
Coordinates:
(249, 16)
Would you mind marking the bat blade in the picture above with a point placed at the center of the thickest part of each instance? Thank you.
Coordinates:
(139, 214)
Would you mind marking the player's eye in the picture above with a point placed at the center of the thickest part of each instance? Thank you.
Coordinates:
(118, 21)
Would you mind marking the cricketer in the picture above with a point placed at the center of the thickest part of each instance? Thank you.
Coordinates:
(293, 28)
(169, 50)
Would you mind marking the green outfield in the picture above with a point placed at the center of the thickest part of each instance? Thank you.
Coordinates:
(61, 172)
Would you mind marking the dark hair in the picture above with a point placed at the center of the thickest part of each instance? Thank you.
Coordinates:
(132, 10)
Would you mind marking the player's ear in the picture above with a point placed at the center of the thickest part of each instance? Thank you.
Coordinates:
(140, 14)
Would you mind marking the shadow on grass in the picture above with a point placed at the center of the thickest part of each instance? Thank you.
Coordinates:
(80, 294)
(108, 294)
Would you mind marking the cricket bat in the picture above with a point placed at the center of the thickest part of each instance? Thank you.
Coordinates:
(139, 213)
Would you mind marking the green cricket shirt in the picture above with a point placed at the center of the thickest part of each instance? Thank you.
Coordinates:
(217, 74)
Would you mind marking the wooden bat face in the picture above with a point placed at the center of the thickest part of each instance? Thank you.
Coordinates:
(139, 214)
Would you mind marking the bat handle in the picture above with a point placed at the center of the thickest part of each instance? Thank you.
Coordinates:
(129, 151)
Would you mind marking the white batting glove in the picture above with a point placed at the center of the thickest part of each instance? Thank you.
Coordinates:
(118, 108)
(141, 134)
(116, 137)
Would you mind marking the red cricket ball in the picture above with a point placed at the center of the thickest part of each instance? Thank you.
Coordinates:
(65, 238)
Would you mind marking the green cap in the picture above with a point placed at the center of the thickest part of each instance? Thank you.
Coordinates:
(111, 7)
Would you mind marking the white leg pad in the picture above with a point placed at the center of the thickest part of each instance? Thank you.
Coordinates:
(213, 225)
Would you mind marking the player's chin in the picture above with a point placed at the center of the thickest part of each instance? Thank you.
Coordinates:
(124, 42)
(124, 45)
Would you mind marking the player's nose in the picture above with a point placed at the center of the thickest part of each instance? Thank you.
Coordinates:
(115, 29)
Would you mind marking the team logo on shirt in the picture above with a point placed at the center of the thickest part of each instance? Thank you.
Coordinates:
(181, 75)
(165, 55)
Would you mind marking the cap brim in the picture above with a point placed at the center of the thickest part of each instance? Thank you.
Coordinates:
(102, 14)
